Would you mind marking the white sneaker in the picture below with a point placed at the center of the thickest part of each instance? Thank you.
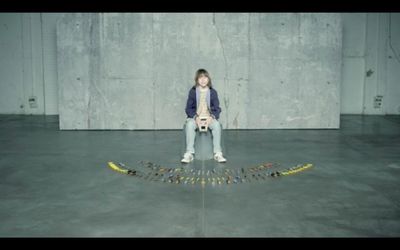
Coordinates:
(219, 158)
(187, 157)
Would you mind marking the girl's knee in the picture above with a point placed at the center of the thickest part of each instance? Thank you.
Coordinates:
(191, 124)
(216, 125)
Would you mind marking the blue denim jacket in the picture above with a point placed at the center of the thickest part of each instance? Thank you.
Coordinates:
(212, 103)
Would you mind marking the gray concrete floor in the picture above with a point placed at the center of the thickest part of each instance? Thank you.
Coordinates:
(57, 183)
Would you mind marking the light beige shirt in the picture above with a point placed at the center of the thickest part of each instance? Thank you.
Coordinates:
(202, 109)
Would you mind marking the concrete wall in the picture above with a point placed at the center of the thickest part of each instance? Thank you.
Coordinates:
(28, 63)
(134, 71)
(49, 21)
(391, 102)
(21, 64)
(371, 60)
(353, 70)
(11, 64)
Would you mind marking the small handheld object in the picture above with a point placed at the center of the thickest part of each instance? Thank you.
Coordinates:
(203, 126)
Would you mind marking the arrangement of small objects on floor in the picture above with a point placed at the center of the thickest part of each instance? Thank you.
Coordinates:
(217, 176)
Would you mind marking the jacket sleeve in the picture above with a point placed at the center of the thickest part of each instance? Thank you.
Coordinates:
(191, 104)
(215, 108)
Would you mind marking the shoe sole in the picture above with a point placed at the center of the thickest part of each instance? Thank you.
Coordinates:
(186, 161)
(219, 161)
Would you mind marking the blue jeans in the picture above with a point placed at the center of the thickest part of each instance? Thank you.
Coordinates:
(215, 128)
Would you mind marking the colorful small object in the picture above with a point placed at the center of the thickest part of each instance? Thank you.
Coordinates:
(180, 175)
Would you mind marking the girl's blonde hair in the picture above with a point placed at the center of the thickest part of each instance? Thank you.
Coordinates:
(199, 73)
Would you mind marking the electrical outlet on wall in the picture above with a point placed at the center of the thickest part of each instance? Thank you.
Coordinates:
(33, 102)
(378, 101)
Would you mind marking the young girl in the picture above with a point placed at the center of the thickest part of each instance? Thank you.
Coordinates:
(202, 102)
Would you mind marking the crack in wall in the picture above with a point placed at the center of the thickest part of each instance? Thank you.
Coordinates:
(94, 51)
(90, 74)
(248, 66)
(153, 75)
(226, 99)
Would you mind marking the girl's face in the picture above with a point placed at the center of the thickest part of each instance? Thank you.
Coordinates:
(203, 81)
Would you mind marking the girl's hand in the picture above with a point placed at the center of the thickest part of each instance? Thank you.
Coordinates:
(198, 121)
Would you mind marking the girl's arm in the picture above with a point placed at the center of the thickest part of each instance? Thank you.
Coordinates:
(215, 108)
(191, 105)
